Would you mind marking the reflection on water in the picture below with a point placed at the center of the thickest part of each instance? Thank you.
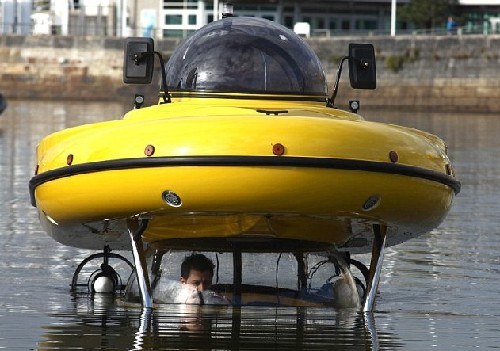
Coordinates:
(114, 327)
(437, 291)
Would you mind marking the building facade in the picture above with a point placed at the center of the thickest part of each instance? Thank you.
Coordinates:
(15, 16)
(179, 18)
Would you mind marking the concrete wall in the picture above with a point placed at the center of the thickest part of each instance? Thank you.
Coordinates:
(418, 72)
(445, 72)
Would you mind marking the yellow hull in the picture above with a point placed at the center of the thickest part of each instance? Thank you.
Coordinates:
(294, 171)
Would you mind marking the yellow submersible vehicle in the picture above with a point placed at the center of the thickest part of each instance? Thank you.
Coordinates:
(244, 154)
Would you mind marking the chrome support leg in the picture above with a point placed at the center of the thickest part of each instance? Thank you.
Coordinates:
(144, 328)
(135, 230)
(379, 241)
(372, 330)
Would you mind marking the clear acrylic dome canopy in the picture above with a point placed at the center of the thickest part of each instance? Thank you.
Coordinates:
(245, 55)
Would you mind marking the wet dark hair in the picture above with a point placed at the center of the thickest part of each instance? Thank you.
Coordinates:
(197, 262)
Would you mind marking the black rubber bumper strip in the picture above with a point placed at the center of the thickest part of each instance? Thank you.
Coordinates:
(242, 161)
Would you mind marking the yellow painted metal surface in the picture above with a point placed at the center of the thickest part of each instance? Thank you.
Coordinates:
(286, 202)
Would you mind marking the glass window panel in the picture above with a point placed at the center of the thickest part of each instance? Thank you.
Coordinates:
(173, 19)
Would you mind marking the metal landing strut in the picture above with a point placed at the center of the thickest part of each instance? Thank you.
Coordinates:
(135, 230)
(379, 232)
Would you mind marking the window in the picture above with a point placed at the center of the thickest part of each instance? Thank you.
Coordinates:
(41, 5)
(183, 4)
(175, 33)
(173, 19)
(366, 24)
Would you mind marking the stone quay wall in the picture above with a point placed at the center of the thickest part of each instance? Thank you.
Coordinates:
(454, 72)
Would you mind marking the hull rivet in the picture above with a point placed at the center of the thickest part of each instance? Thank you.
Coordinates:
(393, 156)
(278, 149)
(149, 150)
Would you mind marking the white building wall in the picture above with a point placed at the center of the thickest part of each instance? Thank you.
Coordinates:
(96, 7)
(60, 9)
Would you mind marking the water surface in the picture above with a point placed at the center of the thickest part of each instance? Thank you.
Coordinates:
(438, 291)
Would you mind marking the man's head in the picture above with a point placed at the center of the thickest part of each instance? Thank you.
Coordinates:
(197, 270)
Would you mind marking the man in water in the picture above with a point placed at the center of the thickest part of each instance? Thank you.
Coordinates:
(197, 270)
